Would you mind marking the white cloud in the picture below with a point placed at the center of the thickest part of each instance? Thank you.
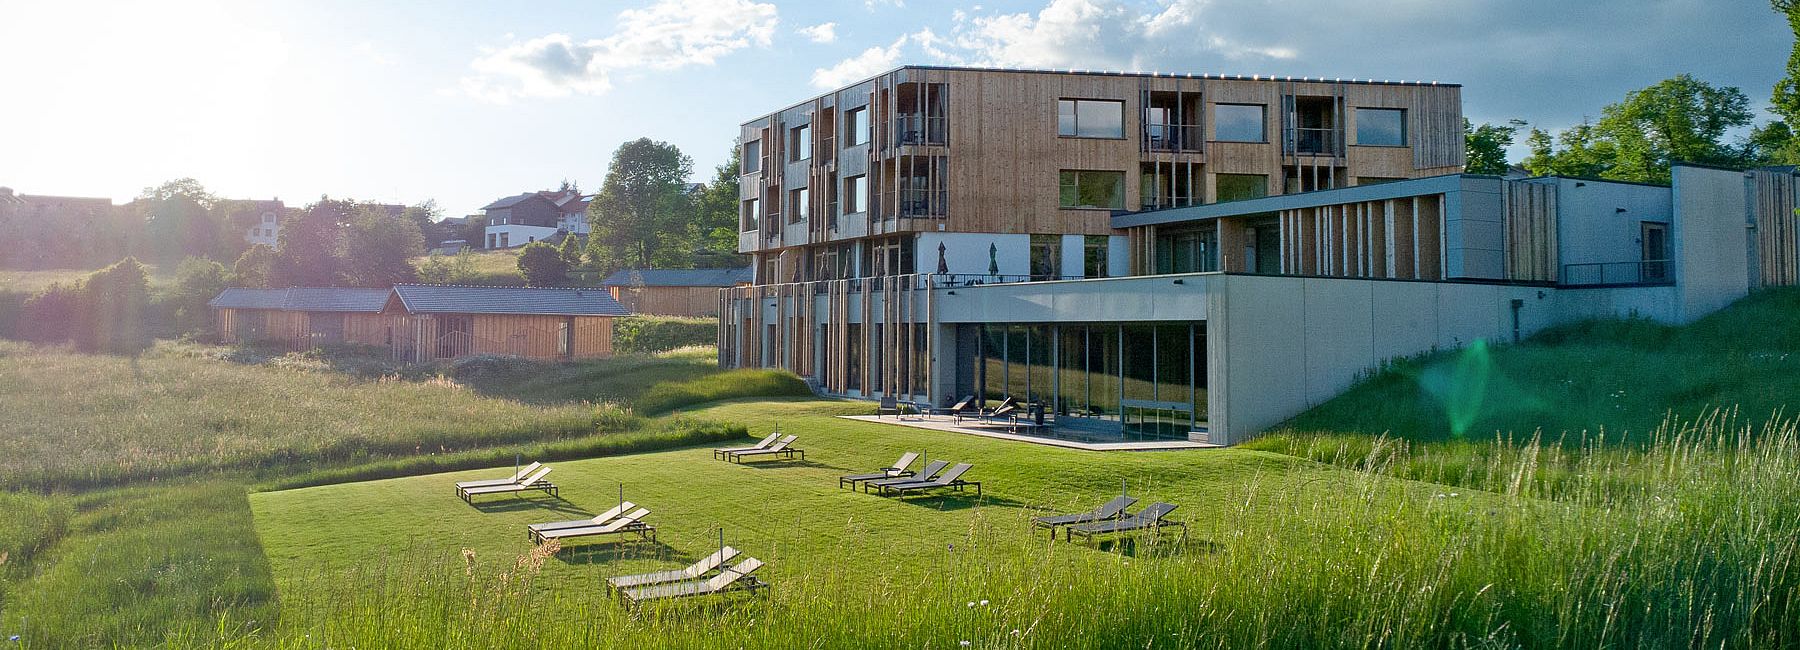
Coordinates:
(874, 4)
(666, 35)
(871, 62)
(820, 33)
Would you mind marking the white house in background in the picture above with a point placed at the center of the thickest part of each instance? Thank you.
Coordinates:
(264, 218)
(535, 216)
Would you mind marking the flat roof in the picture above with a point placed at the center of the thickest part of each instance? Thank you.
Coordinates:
(1353, 194)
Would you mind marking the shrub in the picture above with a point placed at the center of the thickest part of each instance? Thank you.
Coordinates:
(542, 265)
(652, 334)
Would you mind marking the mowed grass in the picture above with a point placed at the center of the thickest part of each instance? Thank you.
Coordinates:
(90, 420)
(1282, 553)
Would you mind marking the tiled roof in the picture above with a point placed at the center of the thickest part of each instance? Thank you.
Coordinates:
(337, 299)
(509, 201)
(678, 277)
(444, 299)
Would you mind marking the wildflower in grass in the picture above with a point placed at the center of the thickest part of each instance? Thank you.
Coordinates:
(965, 643)
(971, 604)
(984, 602)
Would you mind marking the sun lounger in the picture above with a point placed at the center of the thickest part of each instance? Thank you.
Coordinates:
(535, 481)
(627, 524)
(737, 577)
(1110, 510)
(1150, 518)
(780, 447)
(523, 471)
(693, 571)
(887, 405)
(950, 479)
(763, 444)
(897, 471)
(599, 520)
(955, 411)
(931, 469)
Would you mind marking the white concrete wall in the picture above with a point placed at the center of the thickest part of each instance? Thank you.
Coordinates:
(1475, 230)
(1141, 298)
(1591, 229)
(517, 235)
(1711, 239)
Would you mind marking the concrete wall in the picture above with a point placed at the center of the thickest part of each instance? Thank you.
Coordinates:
(967, 253)
(1141, 298)
(1711, 239)
(1475, 229)
(1592, 229)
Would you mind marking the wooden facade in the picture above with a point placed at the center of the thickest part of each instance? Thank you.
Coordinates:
(669, 301)
(1777, 234)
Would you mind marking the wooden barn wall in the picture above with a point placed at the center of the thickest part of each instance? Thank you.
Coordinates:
(593, 337)
(670, 301)
(1531, 223)
(1777, 229)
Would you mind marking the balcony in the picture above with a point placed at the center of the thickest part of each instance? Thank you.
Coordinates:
(1316, 141)
(1172, 137)
(921, 129)
(923, 203)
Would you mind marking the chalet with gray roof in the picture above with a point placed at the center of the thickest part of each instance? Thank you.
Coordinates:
(674, 292)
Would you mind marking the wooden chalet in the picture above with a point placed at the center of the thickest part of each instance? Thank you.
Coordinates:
(674, 292)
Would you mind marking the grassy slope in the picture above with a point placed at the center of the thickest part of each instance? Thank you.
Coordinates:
(34, 281)
(1623, 377)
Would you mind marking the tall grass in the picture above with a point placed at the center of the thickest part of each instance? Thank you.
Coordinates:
(1704, 554)
(730, 384)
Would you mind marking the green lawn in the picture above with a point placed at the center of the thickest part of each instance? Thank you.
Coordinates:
(1282, 552)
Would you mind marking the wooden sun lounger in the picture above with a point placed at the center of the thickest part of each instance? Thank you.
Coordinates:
(780, 447)
(627, 524)
(693, 571)
(533, 482)
(956, 410)
(523, 471)
(737, 577)
(598, 520)
(931, 469)
(1110, 510)
(763, 444)
(1150, 518)
(950, 479)
(897, 471)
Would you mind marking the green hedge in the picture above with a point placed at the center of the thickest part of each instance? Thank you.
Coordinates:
(652, 334)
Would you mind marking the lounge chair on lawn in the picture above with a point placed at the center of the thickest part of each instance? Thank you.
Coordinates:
(627, 524)
(955, 411)
(599, 520)
(888, 404)
(950, 479)
(780, 447)
(1150, 518)
(533, 481)
(1110, 510)
(763, 444)
(732, 578)
(931, 469)
(523, 471)
(693, 571)
(897, 471)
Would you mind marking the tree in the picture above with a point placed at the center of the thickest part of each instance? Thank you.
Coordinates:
(310, 243)
(542, 265)
(253, 267)
(641, 203)
(114, 299)
(1583, 154)
(570, 250)
(715, 228)
(1785, 99)
(1486, 146)
(1678, 119)
(180, 221)
(425, 216)
(197, 281)
(379, 248)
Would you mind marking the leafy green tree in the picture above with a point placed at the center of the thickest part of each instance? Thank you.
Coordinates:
(642, 201)
(542, 265)
(179, 221)
(311, 241)
(1486, 146)
(253, 267)
(115, 299)
(1583, 153)
(570, 250)
(197, 281)
(1680, 119)
(379, 248)
(715, 228)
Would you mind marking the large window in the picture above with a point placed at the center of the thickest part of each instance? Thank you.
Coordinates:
(797, 205)
(1093, 256)
(1381, 127)
(1090, 118)
(800, 143)
(1104, 190)
(1237, 187)
(1239, 123)
(752, 160)
(856, 126)
(1046, 257)
(750, 216)
(856, 194)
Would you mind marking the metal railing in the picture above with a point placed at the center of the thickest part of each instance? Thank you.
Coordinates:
(1160, 201)
(1172, 137)
(921, 129)
(1647, 272)
(1312, 141)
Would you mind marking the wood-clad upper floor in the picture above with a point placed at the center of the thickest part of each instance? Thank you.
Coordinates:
(978, 150)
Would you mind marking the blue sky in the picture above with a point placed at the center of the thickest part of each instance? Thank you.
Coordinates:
(464, 102)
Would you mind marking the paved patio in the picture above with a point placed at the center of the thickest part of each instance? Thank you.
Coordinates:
(1076, 439)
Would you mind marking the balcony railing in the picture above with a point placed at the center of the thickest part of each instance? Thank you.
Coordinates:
(1316, 142)
(1158, 202)
(1648, 272)
(1172, 137)
(921, 129)
(924, 203)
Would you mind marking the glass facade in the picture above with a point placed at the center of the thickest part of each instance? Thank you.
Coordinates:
(1145, 380)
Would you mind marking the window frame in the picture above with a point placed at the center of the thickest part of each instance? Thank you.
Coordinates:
(751, 216)
(800, 143)
(798, 210)
(750, 158)
(1077, 185)
(855, 188)
(854, 136)
(1262, 122)
(1216, 185)
(1405, 134)
(1075, 108)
